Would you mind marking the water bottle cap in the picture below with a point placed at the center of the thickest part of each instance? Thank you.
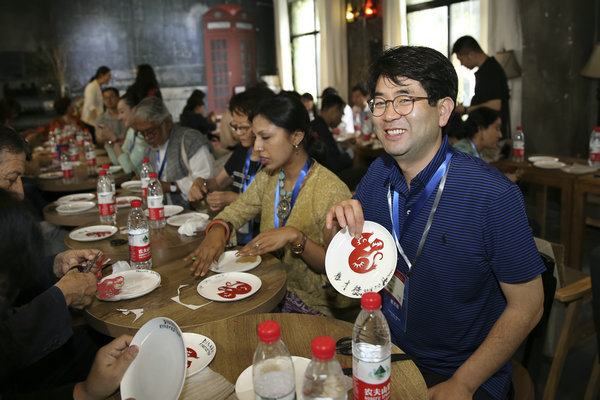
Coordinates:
(102, 172)
(153, 175)
(597, 129)
(371, 301)
(519, 128)
(323, 348)
(145, 160)
(269, 332)
(136, 203)
(106, 166)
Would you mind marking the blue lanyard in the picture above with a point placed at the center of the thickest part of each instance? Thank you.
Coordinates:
(162, 166)
(475, 148)
(133, 143)
(438, 179)
(299, 181)
(247, 178)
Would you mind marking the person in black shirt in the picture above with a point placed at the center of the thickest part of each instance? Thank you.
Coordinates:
(193, 117)
(491, 87)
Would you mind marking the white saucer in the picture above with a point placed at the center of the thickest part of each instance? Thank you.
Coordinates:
(158, 371)
(51, 175)
(579, 169)
(137, 282)
(125, 201)
(76, 197)
(132, 185)
(244, 389)
(75, 207)
(535, 159)
(549, 164)
(228, 262)
(113, 169)
(341, 254)
(216, 287)
(200, 352)
(170, 210)
(93, 233)
(178, 220)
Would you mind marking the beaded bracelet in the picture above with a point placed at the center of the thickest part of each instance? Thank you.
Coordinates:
(219, 222)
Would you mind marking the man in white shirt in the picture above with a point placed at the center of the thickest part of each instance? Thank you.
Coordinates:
(178, 155)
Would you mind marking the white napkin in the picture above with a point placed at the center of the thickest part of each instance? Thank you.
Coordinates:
(120, 266)
(192, 225)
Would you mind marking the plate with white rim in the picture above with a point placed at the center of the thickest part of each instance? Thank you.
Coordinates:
(549, 164)
(200, 352)
(170, 210)
(132, 185)
(158, 371)
(76, 197)
(132, 283)
(93, 233)
(113, 169)
(244, 389)
(535, 159)
(356, 266)
(75, 207)
(229, 262)
(178, 220)
(230, 286)
(579, 169)
(125, 201)
(51, 175)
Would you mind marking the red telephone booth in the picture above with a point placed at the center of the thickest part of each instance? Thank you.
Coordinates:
(230, 53)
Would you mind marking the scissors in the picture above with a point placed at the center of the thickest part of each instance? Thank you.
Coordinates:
(86, 268)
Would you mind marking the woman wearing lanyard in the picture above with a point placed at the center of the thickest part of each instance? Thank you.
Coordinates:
(130, 154)
(292, 193)
(481, 131)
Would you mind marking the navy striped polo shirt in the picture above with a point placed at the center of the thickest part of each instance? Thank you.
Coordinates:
(479, 236)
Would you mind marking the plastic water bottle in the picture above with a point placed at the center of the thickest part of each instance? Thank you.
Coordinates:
(594, 160)
(145, 176)
(139, 237)
(106, 200)
(79, 137)
(519, 145)
(106, 167)
(90, 157)
(371, 351)
(73, 149)
(272, 369)
(323, 379)
(156, 209)
(66, 165)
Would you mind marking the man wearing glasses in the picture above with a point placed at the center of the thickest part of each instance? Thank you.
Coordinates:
(176, 164)
(467, 288)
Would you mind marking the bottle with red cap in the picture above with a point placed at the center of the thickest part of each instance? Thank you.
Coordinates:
(73, 149)
(66, 166)
(106, 200)
(109, 174)
(323, 378)
(145, 176)
(519, 145)
(139, 237)
(371, 351)
(272, 370)
(594, 159)
(90, 157)
(156, 209)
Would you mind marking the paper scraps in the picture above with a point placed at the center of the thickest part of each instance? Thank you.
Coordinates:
(136, 311)
(190, 306)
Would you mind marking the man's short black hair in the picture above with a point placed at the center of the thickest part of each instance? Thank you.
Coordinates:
(114, 89)
(466, 44)
(246, 102)
(332, 100)
(12, 142)
(427, 66)
(362, 88)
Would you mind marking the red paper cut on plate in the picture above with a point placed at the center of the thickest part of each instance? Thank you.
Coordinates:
(231, 290)
(110, 287)
(360, 260)
(191, 353)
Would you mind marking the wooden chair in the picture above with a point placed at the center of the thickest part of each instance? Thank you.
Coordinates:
(574, 290)
(594, 383)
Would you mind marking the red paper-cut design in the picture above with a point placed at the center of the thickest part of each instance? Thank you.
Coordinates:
(98, 234)
(365, 253)
(110, 287)
(191, 353)
(232, 289)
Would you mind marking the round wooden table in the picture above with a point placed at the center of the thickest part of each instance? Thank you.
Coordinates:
(81, 181)
(103, 316)
(236, 340)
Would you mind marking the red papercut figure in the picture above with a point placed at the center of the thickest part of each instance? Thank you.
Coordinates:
(191, 353)
(230, 290)
(110, 287)
(358, 260)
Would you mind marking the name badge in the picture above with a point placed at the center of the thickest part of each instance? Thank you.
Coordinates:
(397, 288)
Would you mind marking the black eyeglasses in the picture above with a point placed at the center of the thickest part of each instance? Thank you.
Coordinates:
(152, 131)
(242, 129)
(403, 104)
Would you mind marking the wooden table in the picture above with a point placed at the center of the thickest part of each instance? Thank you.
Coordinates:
(81, 181)
(365, 154)
(236, 340)
(584, 185)
(102, 315)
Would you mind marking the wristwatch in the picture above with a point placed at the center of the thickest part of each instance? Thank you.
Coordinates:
(298, 248)
(173, 187)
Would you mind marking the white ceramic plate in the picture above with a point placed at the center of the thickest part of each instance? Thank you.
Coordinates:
(51, 175)
(137, 282)
(125, 201)
(178, 220)
(231, 286)
(158, 371)
(75, 207)
(113, 169)
(229, 262)
(93, 233)
(76, 197)
(535, 159)
(200, 352)
(244, 389)
(549, 164)
(353, 268)
(579, 169)
(132, 185)
(170, 210)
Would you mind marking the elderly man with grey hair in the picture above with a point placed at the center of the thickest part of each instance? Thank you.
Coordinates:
(179, 155)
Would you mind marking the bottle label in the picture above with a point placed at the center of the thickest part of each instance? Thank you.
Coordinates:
(594, 156)
(371, 379)
(139, 246)
(67, 171)
(106, 203)
(91, 162)
(74, 155)
(145, 187)
(156, 210)
(519, 152)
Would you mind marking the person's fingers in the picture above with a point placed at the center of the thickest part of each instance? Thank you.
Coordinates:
(126, 358)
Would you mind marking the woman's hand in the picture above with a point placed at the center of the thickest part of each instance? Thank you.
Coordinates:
(208, 251)
(218, 200)
(271, 240)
